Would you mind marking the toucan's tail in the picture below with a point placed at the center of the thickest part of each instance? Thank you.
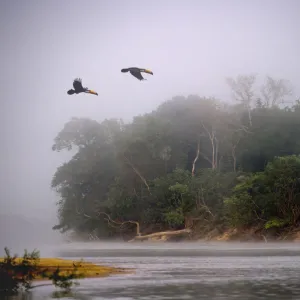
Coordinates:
(124, 70)
(71, 92)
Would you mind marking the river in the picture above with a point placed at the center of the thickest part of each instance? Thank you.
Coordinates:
(185, 271)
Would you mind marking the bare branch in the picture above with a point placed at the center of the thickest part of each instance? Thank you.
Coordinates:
(201, 202)
(207, 158)
(138, 236)
(203, 205)
(242, 89)
(110, 221)
(196, 158)
(243, 128)
(264, 238)
(120, 223)
(233, 153)
(138, 173)
(213, 141)
(216, 152)
(274, 91)
(211, 135)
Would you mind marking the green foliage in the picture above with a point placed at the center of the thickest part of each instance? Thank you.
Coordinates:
(239, 209)
(16, 274)
(65, 281)
(193, 157)
(275, 222)
(271, 197)
(171, 198)
(174, 218)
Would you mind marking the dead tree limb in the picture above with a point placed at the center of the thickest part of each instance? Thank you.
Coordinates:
(111, 221)
(242, 88)
(138, 173)
(243, 128)
(265, 239)
(202, 204)
(161, 234)
(196, 158)
(206, 158)
(138, 233)
(233, 154)
(214, 145)
(216, 152)
(138, 236)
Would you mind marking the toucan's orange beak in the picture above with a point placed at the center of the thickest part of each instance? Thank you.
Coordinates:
(93, 92)
(149, 72)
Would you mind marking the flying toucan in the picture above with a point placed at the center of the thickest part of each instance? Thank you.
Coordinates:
(78, 88)
(136, 72)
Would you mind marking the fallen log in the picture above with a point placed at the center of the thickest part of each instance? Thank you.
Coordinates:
(161, 234)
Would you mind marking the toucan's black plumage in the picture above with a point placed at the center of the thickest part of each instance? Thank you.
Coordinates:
(78, 88)
(136, 72)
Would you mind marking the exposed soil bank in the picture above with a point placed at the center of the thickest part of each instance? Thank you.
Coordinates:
(237, 235)
(253, 234)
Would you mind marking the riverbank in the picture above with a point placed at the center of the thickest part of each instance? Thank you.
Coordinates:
(253, 234)
(198, 232)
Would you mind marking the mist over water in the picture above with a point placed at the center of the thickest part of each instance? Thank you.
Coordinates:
(18, 233)
(201, 248)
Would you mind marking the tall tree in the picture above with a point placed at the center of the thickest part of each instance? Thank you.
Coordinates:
(171, 166)
(274, 92)
(243, 91)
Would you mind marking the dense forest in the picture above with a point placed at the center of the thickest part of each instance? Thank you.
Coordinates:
(194, 162)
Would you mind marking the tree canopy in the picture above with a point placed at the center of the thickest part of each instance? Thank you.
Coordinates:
(193, 158)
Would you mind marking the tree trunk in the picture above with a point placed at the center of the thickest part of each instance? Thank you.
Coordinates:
(138, 173)
(196, 158)
(249, 115)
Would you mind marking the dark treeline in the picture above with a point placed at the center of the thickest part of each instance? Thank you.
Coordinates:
(193, 160)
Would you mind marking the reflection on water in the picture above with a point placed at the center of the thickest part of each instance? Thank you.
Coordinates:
(189, 273)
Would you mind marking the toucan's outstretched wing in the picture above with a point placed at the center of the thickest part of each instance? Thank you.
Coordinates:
(77, 84)
(137, 75)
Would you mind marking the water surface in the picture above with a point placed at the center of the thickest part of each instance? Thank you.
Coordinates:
(186, 271)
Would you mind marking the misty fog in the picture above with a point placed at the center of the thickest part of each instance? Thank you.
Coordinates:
(191, 46)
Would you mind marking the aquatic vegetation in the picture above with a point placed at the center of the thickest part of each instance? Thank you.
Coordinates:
(20, 272)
